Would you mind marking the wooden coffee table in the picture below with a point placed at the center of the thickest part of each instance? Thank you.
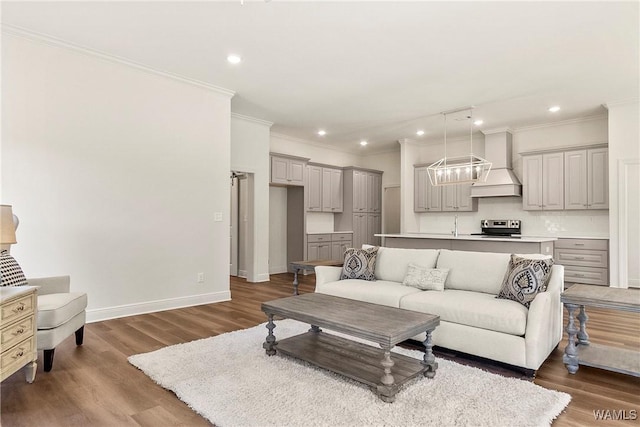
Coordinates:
(579, 350)
(383, 325)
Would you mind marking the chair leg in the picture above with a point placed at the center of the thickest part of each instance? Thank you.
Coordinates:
(48, 359)
(80, 335)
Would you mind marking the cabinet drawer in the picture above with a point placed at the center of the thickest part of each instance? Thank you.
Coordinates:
(18, 355)
(600, 244)
(16, 332)
(341, 237)
(589, 276)
(585, 258)
(21, 307)
(315, 238)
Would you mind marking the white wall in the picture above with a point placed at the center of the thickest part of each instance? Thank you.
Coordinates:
(250, 153)
(624, 193)
(116, 174)
(589, 131)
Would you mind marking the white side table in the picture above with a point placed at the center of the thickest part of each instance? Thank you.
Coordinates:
(18, 308)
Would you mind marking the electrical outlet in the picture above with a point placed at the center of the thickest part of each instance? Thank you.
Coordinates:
(200, 277)
(217, 216)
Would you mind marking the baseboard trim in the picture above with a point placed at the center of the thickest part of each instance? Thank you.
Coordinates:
(263, 277)
(278, 270)
(100, 314)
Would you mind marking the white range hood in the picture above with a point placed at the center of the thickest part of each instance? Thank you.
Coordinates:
(501, 181)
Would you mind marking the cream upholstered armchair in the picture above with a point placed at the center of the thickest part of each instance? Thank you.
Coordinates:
(60, 311)
(60, 314)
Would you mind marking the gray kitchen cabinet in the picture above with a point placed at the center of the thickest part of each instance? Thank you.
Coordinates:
(586, 175)
(458, 198)
(361, 205)
(340, 242)
(543, 187)
(318, 246)
(287, 170)
(315, 188)
(332, 190)
(585, 260)
(450, 198)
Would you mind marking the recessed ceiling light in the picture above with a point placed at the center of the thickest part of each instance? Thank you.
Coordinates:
(322, 132)
(420, 132)
(363, 143)
(234, 59)
(478, 122)
(554, 109)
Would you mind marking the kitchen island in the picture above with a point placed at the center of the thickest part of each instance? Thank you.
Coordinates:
(468, 242)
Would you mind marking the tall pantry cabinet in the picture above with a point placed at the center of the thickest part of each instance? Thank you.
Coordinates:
(362, 207)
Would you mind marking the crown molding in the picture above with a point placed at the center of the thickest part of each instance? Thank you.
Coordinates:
(621, 102)
(312, 143)
(251, 119)
(497, 130)
(561, 123)
(12, 30)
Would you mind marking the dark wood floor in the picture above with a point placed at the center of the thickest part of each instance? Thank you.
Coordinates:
(94, 385)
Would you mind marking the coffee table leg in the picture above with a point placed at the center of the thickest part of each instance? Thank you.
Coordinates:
(570, 357)
(315, 328)
(270, 343)
(295, 280)
(583, 337)
(388, 389)
(429, 359)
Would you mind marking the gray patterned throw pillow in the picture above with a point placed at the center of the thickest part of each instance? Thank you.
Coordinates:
(359, 264)
(425, 278)
(525, 277)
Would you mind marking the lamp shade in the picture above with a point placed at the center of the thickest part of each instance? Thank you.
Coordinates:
(7, 229)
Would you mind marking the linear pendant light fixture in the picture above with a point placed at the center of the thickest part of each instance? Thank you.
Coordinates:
(458, 170)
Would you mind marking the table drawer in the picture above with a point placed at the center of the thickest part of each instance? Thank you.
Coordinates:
(600, 244)
(584, 258)
(21, 307)
(15, 333)
(18, 355)
(341, 237)
(318, 238)
(586, 275)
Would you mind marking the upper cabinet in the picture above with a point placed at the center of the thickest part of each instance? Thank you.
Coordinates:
(586, 179)
(325, 189)
(572, 179)
(543, 178)
(287, 170)
(451, 198)
(366, 191)
(331, 190)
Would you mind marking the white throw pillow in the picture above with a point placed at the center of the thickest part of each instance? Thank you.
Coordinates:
(425, 278)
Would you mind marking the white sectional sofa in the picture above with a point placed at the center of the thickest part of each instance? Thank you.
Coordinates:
(472, 319)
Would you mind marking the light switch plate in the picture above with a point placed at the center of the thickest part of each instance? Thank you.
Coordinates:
(217, 217)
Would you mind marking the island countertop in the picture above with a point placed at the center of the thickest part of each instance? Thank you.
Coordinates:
(469, 242)
(523, 239)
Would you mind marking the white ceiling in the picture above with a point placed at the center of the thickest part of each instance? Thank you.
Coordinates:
(371, 70)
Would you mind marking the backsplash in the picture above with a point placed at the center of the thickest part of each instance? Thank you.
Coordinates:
(579, 223)
(319, 222)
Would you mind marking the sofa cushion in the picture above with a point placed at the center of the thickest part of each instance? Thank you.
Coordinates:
(474, 271)
(56, 309)
(392, 263)
(424, 278)
(359, 264)
(525, 278)
(477, 309)
(379, 292)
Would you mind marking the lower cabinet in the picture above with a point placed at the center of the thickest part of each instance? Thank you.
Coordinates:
(365, 226)
(328, 246)
(585, 261)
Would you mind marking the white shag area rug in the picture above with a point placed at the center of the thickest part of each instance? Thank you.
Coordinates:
(229, 380)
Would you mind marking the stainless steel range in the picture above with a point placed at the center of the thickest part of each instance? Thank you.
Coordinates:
(500, 228)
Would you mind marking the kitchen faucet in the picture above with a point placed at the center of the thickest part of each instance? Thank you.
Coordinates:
(455, 227)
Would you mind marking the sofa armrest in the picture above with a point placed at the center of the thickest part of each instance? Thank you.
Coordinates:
(544, 320)
(326, 274)
(51, 285)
